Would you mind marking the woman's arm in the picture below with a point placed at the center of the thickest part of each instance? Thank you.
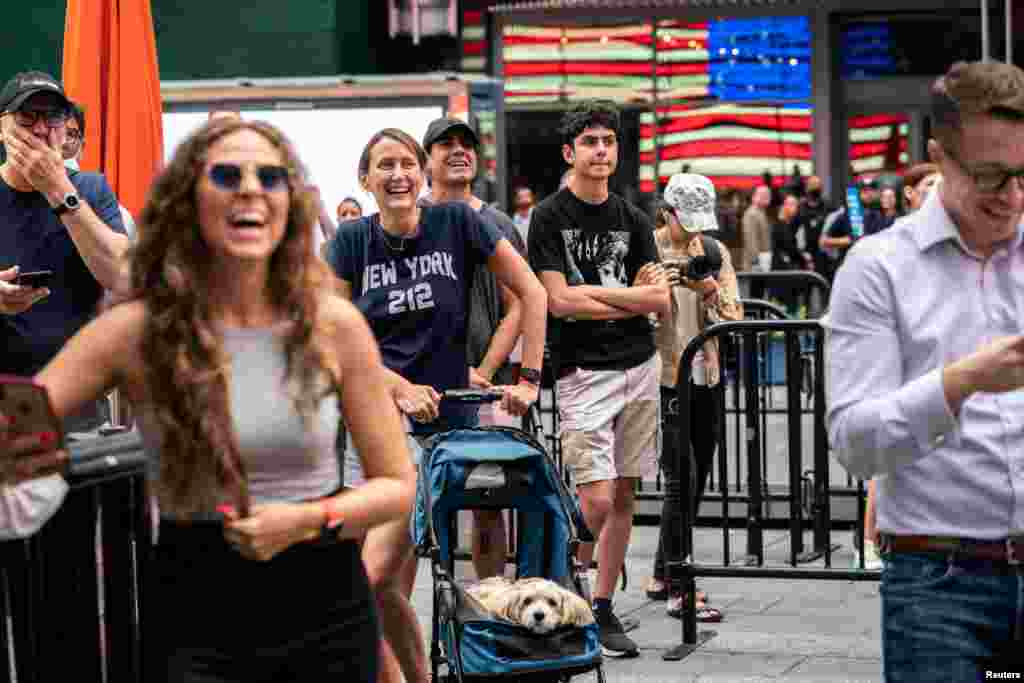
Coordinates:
(91, 362)
(376, 428)
(512, 271)
(420, 402)
(504, 338)
(95, 360)
(727, 306)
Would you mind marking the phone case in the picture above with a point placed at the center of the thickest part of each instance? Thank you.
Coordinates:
(39, 278)
(27, 405)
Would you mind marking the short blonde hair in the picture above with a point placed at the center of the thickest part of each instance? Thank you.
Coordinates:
(973, 89)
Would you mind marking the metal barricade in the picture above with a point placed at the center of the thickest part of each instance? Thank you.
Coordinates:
(808, 499)
(70, 594)
(807, 286)
(753, 309)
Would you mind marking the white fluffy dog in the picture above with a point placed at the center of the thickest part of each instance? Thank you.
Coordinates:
(538, 604)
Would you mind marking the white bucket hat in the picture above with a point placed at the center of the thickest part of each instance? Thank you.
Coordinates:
(692, 196)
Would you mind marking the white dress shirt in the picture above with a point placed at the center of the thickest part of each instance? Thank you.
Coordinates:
(907, 302)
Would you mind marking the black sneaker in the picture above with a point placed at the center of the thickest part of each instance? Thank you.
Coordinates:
(614, 641)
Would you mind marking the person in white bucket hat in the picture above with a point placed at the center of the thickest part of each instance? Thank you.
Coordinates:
(704, 291)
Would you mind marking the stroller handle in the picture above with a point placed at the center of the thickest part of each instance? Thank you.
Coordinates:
(472, 395)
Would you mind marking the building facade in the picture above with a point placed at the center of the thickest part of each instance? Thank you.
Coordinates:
(739, 90)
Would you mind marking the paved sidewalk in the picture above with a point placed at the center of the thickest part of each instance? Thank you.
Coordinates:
(774, 630)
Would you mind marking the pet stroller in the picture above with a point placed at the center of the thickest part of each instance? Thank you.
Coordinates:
(500, 468)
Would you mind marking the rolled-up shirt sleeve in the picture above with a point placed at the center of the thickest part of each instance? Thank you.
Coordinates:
(25, 508)
(878, 419)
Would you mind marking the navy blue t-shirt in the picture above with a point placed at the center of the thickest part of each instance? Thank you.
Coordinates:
(415, 292)
(32, 237)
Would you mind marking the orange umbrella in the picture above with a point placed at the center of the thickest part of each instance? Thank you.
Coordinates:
(110, 70)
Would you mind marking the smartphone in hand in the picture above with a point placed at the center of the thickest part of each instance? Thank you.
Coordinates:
(27, 405)
(34, 279)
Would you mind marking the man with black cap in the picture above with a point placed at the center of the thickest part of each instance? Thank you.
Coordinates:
(69, 225)
(452, 148)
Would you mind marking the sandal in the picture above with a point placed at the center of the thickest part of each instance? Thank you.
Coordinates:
(705, 614)
(656, 590)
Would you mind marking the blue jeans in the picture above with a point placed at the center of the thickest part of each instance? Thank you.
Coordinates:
(948, 618)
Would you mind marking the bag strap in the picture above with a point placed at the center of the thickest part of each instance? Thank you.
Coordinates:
(711, 250)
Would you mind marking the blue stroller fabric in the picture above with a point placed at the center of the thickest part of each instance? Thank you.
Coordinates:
(506, 469)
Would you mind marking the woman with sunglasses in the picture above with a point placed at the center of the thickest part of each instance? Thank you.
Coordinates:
(409, 268)
(240, 365)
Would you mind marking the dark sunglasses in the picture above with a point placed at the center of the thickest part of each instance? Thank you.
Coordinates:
(54, 118)
(229, 177)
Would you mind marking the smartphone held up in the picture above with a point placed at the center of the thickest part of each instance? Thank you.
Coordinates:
(35, 279)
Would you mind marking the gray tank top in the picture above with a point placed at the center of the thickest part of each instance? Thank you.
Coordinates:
(285, 460)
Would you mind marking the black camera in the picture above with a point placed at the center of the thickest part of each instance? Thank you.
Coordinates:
(696, 268)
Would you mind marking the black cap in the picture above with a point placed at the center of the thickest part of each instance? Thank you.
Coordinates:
(438, 128)
(27, 84)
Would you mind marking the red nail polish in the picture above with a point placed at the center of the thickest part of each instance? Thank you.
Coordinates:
(226, 510)
(47, 437)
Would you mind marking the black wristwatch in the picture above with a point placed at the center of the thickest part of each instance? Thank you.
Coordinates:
(70, 203)
(530, 376)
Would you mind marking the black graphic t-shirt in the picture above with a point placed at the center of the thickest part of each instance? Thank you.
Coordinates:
(604, 245)
(414, 292)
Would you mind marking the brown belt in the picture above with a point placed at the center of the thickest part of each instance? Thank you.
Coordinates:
(1009, 550)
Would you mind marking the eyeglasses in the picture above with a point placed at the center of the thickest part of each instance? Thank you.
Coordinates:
(229, 177)
(989, 180)
(54, 118)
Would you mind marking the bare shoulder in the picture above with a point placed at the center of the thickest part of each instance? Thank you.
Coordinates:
(348, 330)
(340, 315)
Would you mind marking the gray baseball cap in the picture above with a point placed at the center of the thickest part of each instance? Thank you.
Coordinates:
(692, 196)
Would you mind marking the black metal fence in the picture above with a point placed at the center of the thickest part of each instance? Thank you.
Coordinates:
(69, 595)
(808, 494)
(792, 287)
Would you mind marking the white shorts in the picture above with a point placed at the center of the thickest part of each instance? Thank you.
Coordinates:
(610, 426)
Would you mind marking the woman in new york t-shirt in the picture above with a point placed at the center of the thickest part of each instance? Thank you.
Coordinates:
(409, 269)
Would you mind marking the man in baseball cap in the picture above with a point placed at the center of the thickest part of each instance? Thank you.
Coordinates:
(56, 221)
(28, 83)
(446, 127)
(453, 162)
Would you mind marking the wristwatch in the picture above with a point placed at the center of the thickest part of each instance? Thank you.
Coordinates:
(530, 376)
(70, 203)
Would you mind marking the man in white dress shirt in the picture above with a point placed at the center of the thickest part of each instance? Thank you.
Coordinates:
(925, 365)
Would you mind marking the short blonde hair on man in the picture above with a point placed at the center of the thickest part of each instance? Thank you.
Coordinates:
(973, 89)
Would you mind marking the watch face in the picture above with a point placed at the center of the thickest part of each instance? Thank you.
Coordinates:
(71, 201)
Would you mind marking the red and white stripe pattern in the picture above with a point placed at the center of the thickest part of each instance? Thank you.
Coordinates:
(666, 64)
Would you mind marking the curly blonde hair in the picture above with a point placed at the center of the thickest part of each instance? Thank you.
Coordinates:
(186, 369)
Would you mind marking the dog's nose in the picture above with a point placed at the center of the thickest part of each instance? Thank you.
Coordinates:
(538, 616)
